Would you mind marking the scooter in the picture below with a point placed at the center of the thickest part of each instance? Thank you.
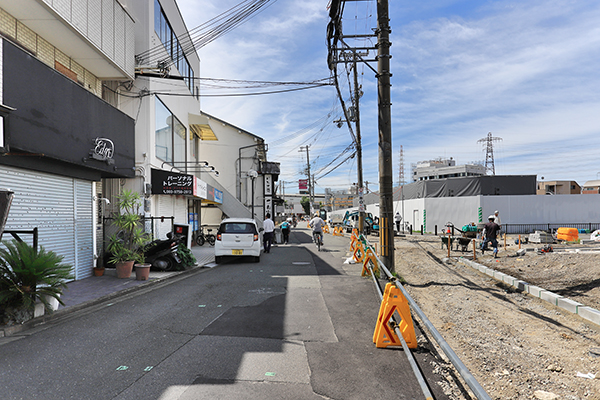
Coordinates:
(162, 254)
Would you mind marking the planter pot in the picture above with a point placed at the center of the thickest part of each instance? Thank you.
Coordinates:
(142, 271)
(124, 269)
(40, 310)
(98, 271)
(53, 302)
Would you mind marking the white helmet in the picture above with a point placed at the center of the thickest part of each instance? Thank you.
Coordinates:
(492, 217)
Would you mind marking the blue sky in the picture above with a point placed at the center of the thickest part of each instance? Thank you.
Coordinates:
(527, 71)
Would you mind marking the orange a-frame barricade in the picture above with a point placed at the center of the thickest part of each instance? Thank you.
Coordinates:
(385, 335)
(353, 241)
(369, 256)
(338, 231)
(359, 251)
(326, 229)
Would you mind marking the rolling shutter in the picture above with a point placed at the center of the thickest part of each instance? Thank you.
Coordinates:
(59, 207)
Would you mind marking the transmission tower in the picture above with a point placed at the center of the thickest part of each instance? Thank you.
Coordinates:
(489, 152)
(401, 180)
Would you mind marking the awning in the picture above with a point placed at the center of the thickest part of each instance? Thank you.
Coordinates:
(200, 126)
(203, 131)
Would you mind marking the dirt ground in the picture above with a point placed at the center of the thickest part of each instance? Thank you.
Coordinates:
(517, 346)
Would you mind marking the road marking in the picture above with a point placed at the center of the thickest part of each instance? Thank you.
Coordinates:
(270, 374)
(301, 263)
(123, 368)
(148, 368)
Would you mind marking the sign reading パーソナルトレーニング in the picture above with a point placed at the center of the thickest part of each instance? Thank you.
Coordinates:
(173, 183)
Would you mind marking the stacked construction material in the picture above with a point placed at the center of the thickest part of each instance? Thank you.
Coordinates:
(567, 234)
(541, 237)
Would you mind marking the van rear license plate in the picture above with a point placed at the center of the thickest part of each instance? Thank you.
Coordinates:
(237, 252)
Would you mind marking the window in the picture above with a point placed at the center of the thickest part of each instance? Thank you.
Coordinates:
(169, 135)
(238, 227)
(194, 146)
(171, 42)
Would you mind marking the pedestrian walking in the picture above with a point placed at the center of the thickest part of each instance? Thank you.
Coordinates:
(269, 227)
(490, 231)
(398, 219)
(285, 230)
(497, 218)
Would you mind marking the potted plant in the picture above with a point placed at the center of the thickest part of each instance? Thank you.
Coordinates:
(27, 276)
(126, 246)
(99, 268)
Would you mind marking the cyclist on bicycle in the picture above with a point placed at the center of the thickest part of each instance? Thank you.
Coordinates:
(317, 226)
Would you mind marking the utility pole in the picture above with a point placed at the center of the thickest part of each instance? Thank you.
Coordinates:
(361, 202)
(401, 168)
(401, 183)
(386, 227)
(310, 186)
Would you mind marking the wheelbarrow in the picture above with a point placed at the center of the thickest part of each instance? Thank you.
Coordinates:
(447, 240)
(463, 242)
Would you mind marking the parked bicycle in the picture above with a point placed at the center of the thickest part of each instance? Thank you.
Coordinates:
(201, 237)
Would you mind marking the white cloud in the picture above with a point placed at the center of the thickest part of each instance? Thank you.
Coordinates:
(526, 71)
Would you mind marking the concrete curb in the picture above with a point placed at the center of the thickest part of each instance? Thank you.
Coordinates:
(587, 313)
(68, 311)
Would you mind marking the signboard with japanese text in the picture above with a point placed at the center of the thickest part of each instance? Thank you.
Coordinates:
(218, 196)
(268, 184)
(361, 202)
(303, 186)
(268, 206)
(200, 188)
(172, 183)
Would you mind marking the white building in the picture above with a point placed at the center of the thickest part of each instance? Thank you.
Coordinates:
(444, 168)
(174, 137)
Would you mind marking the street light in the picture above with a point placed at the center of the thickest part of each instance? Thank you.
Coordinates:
(253, 175)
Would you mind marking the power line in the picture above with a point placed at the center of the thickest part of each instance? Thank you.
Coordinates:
(205, 33)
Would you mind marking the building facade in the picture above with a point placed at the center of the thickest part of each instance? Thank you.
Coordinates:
(101, 96)
(444, 168)
(591, 187)
(558, 187)
(58, 137)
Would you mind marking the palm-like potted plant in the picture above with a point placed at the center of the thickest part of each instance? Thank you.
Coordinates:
(29, 275)
(126, 246)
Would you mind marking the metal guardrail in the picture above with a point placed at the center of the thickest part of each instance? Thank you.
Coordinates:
(464, 372)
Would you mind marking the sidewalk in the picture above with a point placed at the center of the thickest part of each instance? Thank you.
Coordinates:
(94, 288)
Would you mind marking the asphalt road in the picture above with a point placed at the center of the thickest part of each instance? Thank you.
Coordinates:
(297, 325)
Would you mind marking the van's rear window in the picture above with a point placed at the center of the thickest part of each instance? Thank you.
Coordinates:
(237, 227)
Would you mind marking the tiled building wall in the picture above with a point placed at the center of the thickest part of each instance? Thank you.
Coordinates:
(103, 22)
(46, 52)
